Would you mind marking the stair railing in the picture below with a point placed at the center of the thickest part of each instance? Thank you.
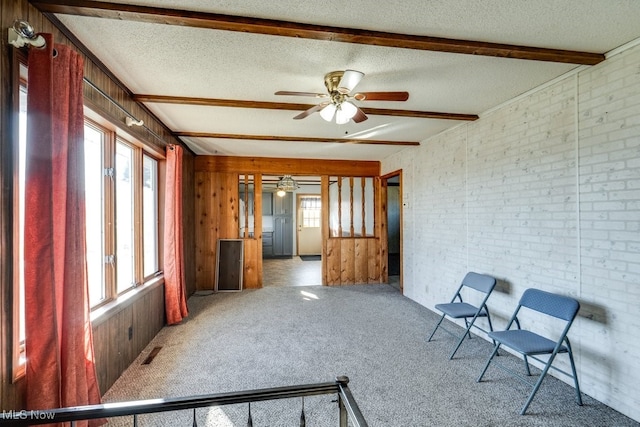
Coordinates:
(349, 412)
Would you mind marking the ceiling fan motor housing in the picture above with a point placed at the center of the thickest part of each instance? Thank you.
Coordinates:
(332, 80)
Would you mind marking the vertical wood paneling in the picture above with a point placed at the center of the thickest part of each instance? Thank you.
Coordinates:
(360, 260)
(347, 261)
(119, 336)
(205, 238)
(101, 349)
(373, 261)
(332, 259)
(217, 216)
(113, 348)
(250, 274)
(189, 228)
(227, 205)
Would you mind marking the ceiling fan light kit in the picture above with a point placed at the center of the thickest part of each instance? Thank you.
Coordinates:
(339, 86)
(328, 112)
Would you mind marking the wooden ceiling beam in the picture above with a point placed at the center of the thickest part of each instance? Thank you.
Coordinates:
(280, 166)
(213, 102)
(291, 138)
(309, 31)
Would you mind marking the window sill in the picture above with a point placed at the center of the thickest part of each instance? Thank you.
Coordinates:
(107, 310)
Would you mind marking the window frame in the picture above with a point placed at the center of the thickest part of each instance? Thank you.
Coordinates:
(156, 201)
(113, 136)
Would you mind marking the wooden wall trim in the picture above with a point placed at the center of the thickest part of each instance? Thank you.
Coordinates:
(291, 166)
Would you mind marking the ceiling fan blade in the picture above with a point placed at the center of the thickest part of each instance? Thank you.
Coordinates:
(381, 96)
(291, 93)
(311, 110)
(360, 116)
(349, 80)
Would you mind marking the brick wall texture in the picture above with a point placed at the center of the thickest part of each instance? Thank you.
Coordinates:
(542, 192)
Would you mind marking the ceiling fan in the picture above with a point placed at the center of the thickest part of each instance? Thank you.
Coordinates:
(340, 106)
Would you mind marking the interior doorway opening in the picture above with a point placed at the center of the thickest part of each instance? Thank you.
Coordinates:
(292, 234)
(393, 185)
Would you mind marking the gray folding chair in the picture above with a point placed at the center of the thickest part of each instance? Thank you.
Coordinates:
(531, 344)
(461, 310)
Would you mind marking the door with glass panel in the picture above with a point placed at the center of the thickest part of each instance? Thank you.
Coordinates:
(309, 236)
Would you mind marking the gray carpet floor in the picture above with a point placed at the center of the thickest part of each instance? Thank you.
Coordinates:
(279, 336)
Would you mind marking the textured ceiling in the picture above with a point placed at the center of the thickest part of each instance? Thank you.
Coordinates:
(182, 61)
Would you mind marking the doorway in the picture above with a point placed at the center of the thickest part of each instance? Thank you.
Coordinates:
(302, 264)
(393, 185)
(309, 220)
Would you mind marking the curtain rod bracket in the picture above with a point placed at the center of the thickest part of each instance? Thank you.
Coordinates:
(130, 121)
(22, 34)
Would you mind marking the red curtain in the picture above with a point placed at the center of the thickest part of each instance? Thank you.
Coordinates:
(60, 368)
(174, 278)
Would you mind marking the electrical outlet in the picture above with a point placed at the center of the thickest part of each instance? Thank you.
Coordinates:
(130, 333)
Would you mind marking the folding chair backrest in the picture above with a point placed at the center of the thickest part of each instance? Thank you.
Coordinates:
(479, 282)
(558, 306)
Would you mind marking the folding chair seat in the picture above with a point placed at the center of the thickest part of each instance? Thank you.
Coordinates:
(461, 310)
(531, 344)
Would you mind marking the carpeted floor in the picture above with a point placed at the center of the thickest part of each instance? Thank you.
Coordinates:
(279, 336)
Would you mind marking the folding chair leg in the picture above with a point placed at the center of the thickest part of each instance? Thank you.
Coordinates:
(467, 333)
(575, 376)
(436, 328)
(490, 325)
(526, 365)
(489, 319)
(486, 366)
(459, 343)
(538, 383)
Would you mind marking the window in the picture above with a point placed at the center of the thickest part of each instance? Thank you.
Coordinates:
(125, 251)
(121, 205)
(121, 184)
(150, 215)
(20, 136)
(311, 212)
(94, 207)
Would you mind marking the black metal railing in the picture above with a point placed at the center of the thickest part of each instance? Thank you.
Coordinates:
(349, 412)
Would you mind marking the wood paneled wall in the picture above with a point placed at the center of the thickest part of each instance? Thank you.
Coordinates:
(115, 349)
(347, 260)
(145, 312)
(216, 214)
(354, 260)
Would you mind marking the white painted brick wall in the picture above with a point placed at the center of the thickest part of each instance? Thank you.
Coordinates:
(543, 192)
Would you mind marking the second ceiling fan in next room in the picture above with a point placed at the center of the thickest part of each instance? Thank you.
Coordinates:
(340, 103)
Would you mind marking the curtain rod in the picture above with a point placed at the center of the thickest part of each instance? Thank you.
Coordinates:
(130, 119)
(22, 34)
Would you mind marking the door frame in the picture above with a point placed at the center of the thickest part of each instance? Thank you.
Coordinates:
(385, 227)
